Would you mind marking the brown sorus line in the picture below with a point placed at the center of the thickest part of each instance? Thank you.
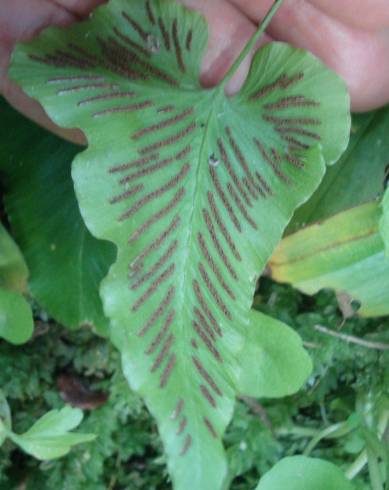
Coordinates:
(282, 82)
(133, 58)
(163, 124)
(177, 47)
(158, 338)
(224, 199)
(207, 377)
(187, 445)
(231, 171)
(101, 97)
(287, 82)
(158, 312)
(204, 324)
(89, 86)
(292, 101)
(214, 293)
(67, 61)
(182, 426)
(155, 194)
(157, 216)
(216, 242)
(76, 59)
(160, 239)
(163, 353)
(124, 71)
(117, 57)
(153, 288)
(130, 192)
(189, 38)
(161, 262)
(178, 409)
(167, 371)
(250, 187)
(294, 161)
(274, 166)
(241, 206)
(224, 230)
(182, 154)
(295, 142)
(137, 27)
(165, 34)
(207, 395)
(265, 90)
(204, 306)
(150, 13)
(300, 131)
(76, 78)
(210, 427)
(84, 52)
(276, 155)
(170, 140)
(207, 342)
(134, 163)
(238, 153)
(57, 62)
(145, 171)
(240, 157)
(132, 43)
(129, 108)
(194, 344)
(264, 184)
(213, 266)
(288, 121)
(166, 108)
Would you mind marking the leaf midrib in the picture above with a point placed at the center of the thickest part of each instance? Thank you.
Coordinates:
(185, 283)
(197, 188)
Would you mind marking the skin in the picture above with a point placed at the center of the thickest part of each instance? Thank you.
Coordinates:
(351, 37)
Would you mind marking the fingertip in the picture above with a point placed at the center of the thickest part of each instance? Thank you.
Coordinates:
(229, 31)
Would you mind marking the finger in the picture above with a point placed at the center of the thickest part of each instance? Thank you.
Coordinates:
(372, 15)
(229, 31)
(33, 110)
(18, 23)
(359, 57)
(77, 7)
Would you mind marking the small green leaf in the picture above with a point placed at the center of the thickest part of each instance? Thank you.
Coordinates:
(384, 223)
(345, 253)
(5, 418)
(274, 362)
(360, 175)
(16, 322)
(193, 187)
(301, 473)
(13, 269)
(66, 262)
(50, 436)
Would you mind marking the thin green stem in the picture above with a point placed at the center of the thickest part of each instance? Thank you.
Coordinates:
(251, 43)
(357, 466)
(362, 459)
(374, 471)
(334, 431)
(354, 340)
(296, 431)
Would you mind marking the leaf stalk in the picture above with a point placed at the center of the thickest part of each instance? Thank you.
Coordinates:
(251, 43)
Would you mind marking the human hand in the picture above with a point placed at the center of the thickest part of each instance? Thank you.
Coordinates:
(352, 39)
